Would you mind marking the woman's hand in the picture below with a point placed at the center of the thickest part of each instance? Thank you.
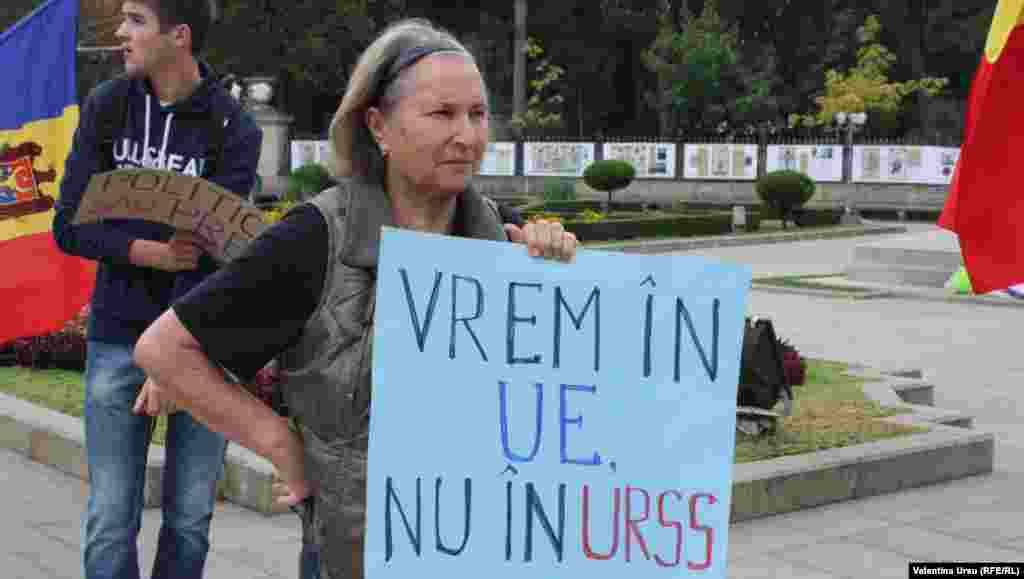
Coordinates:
(288, 460)
(153, 401)
(544, 239)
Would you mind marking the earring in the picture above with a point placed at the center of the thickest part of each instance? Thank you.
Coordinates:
(384, 152)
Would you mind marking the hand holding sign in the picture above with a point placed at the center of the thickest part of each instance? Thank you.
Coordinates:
(216, 220)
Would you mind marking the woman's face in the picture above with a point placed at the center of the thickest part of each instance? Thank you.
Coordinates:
(436, 133)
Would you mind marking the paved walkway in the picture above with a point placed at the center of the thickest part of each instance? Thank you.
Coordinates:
(968, 351)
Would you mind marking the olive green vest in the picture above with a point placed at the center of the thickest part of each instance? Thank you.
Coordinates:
(326, 376)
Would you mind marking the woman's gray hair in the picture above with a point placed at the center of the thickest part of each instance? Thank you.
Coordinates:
(377, 82)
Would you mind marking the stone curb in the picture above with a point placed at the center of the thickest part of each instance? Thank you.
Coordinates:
(760, 489)
(948, 451)
(58, 440)
(909, 293)
(791, 483)
(662, 246)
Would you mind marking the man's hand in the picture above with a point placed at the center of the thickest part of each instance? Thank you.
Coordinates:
(544, 239)
(153, 401)
(181, 253)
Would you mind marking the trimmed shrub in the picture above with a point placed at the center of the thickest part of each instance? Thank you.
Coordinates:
(785, 192)
(306, 181)
(806, 216)
(559, 189)
(518, 201)
(652, 226)
(583, 204)
(609, 175)
(817, 217)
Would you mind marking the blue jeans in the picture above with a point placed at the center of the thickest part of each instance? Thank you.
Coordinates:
(117, 442)
(309, 561)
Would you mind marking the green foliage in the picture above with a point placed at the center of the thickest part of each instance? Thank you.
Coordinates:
(785, 191)
(277, 211)
(580, 205)
(702, 78)
(609, 175)
(313, 42)
(658, 225)
(866, 87)
(559, 189)
(306, 181)
(534, 216)
(541, 107)
(591, 216)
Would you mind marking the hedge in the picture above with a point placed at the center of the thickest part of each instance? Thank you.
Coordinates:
(719, 223)
(580, 205)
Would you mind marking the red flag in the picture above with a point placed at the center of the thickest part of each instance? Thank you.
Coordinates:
(40, 287)
(985, 207)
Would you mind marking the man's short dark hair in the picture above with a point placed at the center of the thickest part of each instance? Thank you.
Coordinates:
(197, 14)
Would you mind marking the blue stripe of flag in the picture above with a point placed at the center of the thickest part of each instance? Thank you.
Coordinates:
(37, 64)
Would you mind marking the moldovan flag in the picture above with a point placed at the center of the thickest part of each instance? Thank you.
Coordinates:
(40, 287)
(985, 207)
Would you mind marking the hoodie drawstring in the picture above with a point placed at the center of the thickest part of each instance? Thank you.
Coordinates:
(161, 161)
(145, 142)
(167, 136)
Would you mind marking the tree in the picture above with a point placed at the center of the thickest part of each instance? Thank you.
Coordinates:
(866, 86)
(702, 79)
(519, 59)
(313, 40)
(541, 108)
(609, 175)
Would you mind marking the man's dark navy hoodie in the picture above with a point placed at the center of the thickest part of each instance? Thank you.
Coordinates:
(180, 137)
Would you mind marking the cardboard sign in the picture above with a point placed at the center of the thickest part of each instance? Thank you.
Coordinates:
(539, 419)
(224, 222)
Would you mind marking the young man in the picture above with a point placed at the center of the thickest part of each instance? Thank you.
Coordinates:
(167, 112)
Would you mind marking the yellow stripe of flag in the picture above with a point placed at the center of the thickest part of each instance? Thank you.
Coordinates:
(54, 139)
(1009, 15)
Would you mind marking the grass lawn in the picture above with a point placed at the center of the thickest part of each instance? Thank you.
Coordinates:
(767, 226)
(59, 390)
(829, 411)
(802, 281)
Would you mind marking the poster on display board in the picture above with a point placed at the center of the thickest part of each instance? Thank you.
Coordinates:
(651, 160)
(306, 152)
(557, 159)
(823, 163)
(499, 160)
(726, 161)
(904, 164)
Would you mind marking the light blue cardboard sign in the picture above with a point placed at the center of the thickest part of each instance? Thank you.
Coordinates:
(532, 418)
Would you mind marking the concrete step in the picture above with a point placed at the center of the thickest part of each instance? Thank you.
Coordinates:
(914, 391)
(898, 274)
(895, 255)
(916, 260)
(933, 415)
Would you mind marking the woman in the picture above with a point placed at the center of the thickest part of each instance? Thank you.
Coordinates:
(409, 135)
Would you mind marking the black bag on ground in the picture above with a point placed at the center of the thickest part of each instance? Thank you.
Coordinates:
(762, 376)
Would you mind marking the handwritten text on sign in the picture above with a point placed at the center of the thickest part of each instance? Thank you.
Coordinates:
(533, 416)
(224, 222)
